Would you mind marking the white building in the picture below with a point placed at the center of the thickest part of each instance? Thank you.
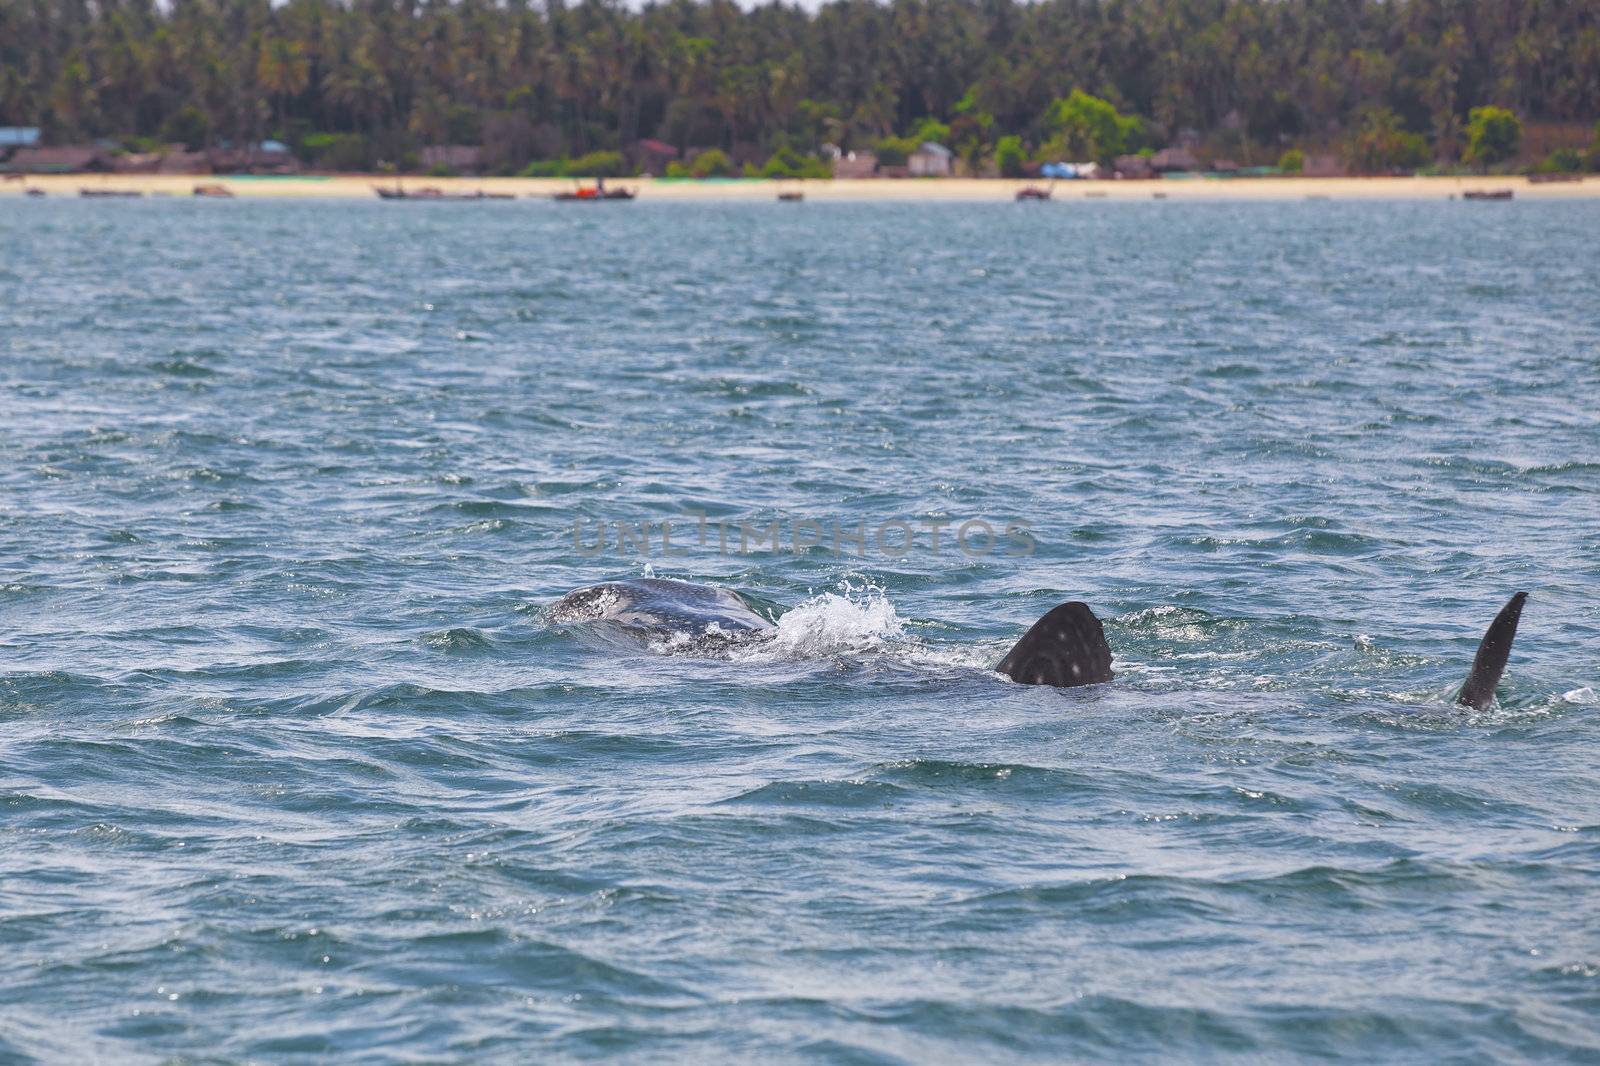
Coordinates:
(929, 161)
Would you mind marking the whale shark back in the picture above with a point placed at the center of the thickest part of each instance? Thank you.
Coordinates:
(1065, 648)
(702, 617)
(1493, 650)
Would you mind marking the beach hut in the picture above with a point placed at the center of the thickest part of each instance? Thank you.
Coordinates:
(18, 137)
(62, 159)
(1070, 171)
(652, 156)
(856, 165)
(268, 157)
(459, 158)
(136, 162)
(1324, 165)
(1174, 159)
(1133, 166)
(930, 160)
(179, 162)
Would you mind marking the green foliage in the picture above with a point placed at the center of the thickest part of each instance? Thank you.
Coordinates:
(676, 169)
(550, 81)
(601, 164)
(1292, 162)
(894, 151)
(1382, 145)
(442, 170)
(1085, 127)
(545, 168)
(787, 163)
(1561, 161)
(712, 163)
(814, 124)
(1009, 156)
(337, 151)
(187, 126)
(929, 130)
(1493, 135)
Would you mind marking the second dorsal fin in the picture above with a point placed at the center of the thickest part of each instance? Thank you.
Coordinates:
(1065, 648)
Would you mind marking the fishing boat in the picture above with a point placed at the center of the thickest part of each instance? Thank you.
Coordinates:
(595, 193)
(35, 192)
(215, 192)
(1487, 194)
(1036, 192)
(433, 194)
(791, 197)
(110, 194)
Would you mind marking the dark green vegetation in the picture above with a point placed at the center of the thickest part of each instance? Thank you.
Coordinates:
(367, 83)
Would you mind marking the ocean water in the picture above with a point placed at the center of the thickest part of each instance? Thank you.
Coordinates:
(294, 768)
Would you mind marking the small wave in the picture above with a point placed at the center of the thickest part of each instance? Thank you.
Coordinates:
(456, 640)
(843, 794)
(936, 773)
(181, 368)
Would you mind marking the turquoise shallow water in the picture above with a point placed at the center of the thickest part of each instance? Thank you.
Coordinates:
(293, 768)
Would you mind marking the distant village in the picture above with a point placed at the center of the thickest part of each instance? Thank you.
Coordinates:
(1496, 139)
(21, 153)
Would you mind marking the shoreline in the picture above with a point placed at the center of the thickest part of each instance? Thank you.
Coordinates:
(905, 190)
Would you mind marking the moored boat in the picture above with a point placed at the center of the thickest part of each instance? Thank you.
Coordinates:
(433, 194)
(1487, 194)
(595, 193)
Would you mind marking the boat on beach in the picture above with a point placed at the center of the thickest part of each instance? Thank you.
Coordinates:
(1487, 194)
(434, 194)
(1035, 192)
(594, 193)
(215, 192)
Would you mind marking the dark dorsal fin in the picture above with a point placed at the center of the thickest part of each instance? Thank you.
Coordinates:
(1066, 647)
(1490, 663)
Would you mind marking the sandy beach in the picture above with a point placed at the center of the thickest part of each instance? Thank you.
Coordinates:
(348, 186)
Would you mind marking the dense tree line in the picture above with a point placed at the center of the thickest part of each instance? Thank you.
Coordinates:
(351, 83)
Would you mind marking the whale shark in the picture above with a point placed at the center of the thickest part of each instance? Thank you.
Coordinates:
(1065, 648)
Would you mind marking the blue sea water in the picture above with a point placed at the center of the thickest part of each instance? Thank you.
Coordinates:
(294, 768)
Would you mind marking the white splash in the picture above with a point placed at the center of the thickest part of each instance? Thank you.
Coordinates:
(860, 619)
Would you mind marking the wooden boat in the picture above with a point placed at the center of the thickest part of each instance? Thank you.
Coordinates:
(1035, 192)
(436, 195)
(791, 197)
(35, 192)
(595, 192)
(217, 192)
(107, 194)
(1486, 194)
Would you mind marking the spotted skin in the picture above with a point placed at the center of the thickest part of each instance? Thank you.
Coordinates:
(1066, 648)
